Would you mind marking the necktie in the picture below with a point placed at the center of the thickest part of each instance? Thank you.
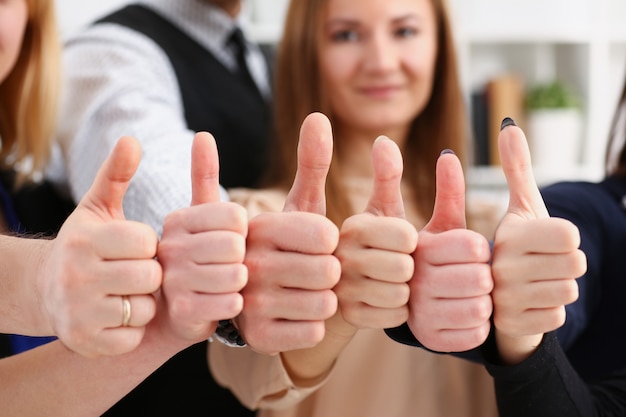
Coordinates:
(238, 43)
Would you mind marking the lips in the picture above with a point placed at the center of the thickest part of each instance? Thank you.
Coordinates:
(380, 92)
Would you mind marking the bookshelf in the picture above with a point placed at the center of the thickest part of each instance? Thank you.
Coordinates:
(581, 42)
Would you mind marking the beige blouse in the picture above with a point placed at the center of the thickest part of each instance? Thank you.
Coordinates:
(373, 377)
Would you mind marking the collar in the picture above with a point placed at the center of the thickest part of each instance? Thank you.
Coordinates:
(207, 24)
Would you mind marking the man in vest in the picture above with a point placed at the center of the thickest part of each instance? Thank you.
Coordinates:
(161, 70)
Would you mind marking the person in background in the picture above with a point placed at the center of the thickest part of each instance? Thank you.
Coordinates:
(382, 68)
(540, 367)
(160, 70)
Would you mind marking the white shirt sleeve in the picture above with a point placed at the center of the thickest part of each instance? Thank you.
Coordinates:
(119, 82)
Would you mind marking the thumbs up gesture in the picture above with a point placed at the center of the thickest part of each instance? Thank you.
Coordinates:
(101, 272)
(202, 251)
(535, 258)
(375, 250)
(450, 302)
(290, 259)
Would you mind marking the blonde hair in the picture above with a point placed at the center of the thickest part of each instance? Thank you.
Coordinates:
(29, 95)
(441, 125)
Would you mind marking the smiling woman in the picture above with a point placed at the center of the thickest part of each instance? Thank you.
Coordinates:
(379, 70)
(374, 67)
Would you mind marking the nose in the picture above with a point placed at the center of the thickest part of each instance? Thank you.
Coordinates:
(381, 54)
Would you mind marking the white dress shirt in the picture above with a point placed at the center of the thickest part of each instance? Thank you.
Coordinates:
(119, 82)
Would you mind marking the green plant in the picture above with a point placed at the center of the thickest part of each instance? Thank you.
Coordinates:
(554, 95)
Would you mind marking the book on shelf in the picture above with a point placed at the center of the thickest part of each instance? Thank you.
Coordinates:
(502, 96)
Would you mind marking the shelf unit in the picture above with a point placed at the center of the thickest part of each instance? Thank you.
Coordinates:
(581, 42)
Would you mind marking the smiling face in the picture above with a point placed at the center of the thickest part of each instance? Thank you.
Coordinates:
(377, 61)
(13, 19)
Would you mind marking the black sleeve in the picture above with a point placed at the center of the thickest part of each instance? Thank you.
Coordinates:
(402, 334)
(546, 385)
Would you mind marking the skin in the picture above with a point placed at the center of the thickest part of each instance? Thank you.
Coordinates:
(52, 380)
(377, 62)
(536, 259)
(80, 301)
(285, 311)
(231, 7)
(13, 19)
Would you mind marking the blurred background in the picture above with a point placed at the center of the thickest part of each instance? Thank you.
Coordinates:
(556, 66)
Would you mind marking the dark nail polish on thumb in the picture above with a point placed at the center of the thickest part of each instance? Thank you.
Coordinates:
(507, 121)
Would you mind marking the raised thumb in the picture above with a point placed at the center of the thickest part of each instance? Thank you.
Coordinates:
(315, 150)
(386, 198)
(449, 208)
(106, 195)
(205, 170)
(524, 197)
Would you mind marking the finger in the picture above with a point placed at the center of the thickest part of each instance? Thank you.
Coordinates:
(206, 248)
(525, 198)
(123, 239)
(106, 195)
(286, 304)
(215, 279)
(460, 340)
(205, 170)
(386, 199)
(315, 150)
(300, 232)
(372, 293)
(449, 209)
(388, 233)
(125, 277)
(142, 310)
(369, 317)
(381, 265)
(315, 273)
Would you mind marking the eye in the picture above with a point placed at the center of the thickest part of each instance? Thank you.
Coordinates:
(406, 32)
(347, 35)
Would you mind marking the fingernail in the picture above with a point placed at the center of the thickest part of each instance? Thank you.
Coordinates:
(445, 151)
(381, 137)
(507, 121)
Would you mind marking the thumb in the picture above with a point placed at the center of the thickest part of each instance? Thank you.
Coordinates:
(106, 194)
(524, 196)
(205, 170)
(386, 199)
(315, 150)
(449, 209)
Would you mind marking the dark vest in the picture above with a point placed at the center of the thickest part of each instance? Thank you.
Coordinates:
(217, 101)
(214, 98)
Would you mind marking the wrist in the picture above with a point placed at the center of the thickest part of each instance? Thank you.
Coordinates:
(514, 349)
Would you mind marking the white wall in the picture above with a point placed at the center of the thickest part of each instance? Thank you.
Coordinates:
(72, 14)
(266, 16)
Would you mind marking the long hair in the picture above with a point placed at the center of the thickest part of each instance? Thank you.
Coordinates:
(298, 91)
(29, 95)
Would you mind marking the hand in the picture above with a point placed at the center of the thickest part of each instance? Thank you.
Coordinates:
(97, 258)
(202, 251)
(450, 301)
(375, 250)
(535, 258)
(290, 259)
